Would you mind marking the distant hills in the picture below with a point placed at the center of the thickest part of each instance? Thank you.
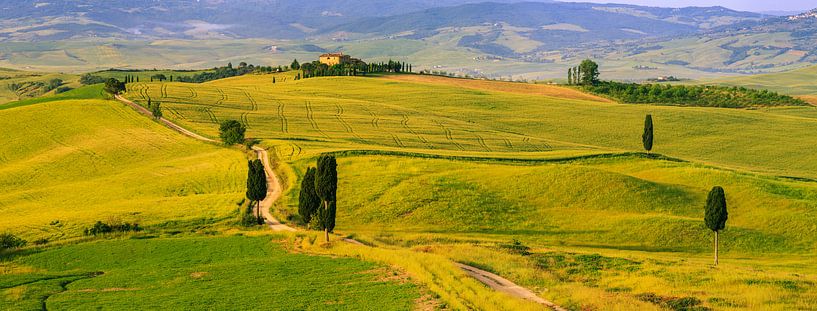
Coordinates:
(558, 23)
(25, 20)
(533, 39)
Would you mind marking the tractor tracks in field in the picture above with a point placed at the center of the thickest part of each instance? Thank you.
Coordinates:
(283, 117)
(253, 103)
(449, 135)
(346, 126)
(310, 115)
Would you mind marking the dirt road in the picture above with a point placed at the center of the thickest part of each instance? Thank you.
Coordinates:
(501, 284)
(164, 121)
(273, 193)
(273, 186)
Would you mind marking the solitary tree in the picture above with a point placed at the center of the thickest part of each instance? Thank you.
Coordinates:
(308, 200)
(231, 132)
(256, 184)
(156, 110)
(295, 65)
(646, 138)
(589, 72)
(326, 186)
(114, 86)
(716, 214)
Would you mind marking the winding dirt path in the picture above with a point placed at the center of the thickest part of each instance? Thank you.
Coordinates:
(274, 191)
(273, 186)
(164, 121)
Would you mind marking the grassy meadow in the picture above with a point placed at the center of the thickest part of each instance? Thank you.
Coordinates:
(67, 164)
(214, 273)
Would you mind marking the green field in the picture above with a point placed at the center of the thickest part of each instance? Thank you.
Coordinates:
(795, 82)
(68, 164)
(214, 273)
(28, 86)
(432, 171)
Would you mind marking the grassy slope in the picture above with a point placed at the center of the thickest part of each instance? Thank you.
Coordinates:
(8, 77)
(85, 92)
(796, 82)
(83, 161)
(379, 113)
(196, 273)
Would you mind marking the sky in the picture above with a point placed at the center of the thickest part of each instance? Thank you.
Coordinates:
(743, 5)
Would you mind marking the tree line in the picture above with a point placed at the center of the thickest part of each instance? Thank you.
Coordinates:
(227, 72)
(354, 67)
(692, 95)
(587, 73)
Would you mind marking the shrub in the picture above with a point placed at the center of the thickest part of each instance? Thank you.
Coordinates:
(248, 218)
(516, 247)
(231, 132)
(62, 89)
(100, 228)
(88, 79)
(9, 241)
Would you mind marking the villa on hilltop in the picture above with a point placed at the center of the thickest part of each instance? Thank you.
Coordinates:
(331, 59)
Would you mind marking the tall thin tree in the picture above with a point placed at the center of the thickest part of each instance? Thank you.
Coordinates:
(308, 200)
(326, 186)
(716, 214)
(647, 136)
(256, 184)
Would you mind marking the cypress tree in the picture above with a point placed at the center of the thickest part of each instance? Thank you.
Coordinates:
(308, 200)
(646, 138)
(171, 78)
(256, 184)
(326, 186)
(716, 214)
(570, 76)
(137, 78)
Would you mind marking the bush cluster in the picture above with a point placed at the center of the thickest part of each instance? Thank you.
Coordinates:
(9, 241)
(692, 95)
(226, 72)
(100, 228)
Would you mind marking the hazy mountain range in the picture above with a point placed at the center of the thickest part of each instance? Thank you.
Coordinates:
(566, 23)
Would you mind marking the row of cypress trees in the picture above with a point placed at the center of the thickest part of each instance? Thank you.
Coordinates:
(317, 202)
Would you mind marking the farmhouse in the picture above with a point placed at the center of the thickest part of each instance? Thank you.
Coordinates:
(331, 59)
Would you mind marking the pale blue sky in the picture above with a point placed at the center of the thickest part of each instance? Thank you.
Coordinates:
(743, 5)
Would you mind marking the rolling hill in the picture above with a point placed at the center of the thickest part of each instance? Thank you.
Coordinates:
(795, 82)
(433, 171)
(82, 161)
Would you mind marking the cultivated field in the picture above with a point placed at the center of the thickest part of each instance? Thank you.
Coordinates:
(796, 82)
(424, 116)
